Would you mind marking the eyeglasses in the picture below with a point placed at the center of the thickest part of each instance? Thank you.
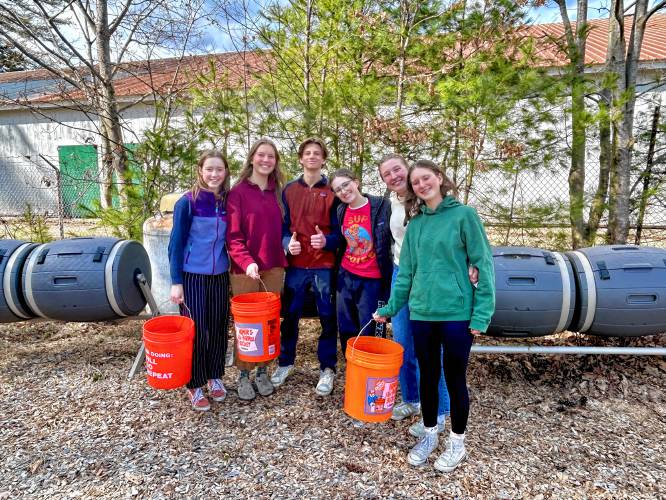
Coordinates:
(343, 187)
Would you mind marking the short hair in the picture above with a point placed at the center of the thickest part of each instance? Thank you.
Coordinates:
(313, 140)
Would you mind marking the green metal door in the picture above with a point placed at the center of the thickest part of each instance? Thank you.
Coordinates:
(79, 179)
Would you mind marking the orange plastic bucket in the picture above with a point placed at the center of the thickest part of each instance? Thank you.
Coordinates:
(168, 341)
(257, 324)
(371, 381)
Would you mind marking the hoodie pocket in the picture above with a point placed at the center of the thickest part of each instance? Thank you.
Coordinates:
(436, 292)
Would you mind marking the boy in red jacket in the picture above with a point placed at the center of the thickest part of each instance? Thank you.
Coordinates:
(310, 242)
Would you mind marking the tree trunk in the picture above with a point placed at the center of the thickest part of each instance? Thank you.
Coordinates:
(109, 114)
(605, 150)
(645, 194)
(577, 168)
(106, 175)
(576, 53)
(624, 98)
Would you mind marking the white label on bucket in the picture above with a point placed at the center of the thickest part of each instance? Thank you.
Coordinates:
(380, 395)
(250, 338)
(271, 349)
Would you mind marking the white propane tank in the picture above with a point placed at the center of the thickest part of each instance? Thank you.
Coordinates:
(156, 231)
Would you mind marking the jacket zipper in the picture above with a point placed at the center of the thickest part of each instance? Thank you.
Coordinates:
(217, 225)
(189, 252)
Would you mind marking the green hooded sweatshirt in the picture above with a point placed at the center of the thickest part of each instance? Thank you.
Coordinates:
(438, 249)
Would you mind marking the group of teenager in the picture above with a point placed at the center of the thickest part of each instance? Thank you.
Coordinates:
(420, 251)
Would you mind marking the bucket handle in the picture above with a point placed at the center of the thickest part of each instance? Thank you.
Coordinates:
(357, 336)
(189, 311)
(263, 284)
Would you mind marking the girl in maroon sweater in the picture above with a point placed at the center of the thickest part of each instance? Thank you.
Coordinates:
(254, 240)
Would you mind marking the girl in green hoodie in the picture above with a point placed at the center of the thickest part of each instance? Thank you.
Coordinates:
(444, 237)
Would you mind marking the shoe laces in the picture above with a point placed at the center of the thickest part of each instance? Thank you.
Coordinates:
(196, 394)
(217, 385)
(454, 447)
(426, 444)
(327, 376)
(282, 370)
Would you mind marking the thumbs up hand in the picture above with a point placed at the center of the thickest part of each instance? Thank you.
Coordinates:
(318, 240)
(294, 246)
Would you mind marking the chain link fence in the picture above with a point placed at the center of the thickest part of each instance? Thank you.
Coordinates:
(525, 208)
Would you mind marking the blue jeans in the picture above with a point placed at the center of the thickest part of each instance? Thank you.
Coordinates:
(409, 371)
(356, 301)
(296, 284)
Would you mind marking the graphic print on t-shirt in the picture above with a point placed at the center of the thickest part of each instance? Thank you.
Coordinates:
(360, 257)
(359, 242)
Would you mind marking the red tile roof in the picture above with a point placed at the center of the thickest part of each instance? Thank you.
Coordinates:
(161, 76)
(174, 75)
(653, 48)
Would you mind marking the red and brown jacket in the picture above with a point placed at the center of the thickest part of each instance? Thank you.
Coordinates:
(304, 208)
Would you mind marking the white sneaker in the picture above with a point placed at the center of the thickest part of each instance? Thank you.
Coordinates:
(452, 456)
(281, 374)
(403, 410)
(422, 450)
(418, 429)
(325, 384)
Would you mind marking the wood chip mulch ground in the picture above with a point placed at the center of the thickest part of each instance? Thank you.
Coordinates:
(541, 427)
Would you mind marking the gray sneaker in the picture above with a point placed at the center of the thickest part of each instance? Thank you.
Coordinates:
(245, 389)
(281, 374)
(325, 384)
(264, 385)
(403, 410)
(229, 358)
(453, 455)
(422, 450)
(418, 429)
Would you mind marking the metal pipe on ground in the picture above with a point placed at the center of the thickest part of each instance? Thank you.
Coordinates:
(537, 349)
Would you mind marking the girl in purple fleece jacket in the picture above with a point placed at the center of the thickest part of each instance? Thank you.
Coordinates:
(199, 266)
(254, 239)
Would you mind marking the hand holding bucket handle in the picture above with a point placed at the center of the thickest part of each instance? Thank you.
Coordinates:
(253, 271)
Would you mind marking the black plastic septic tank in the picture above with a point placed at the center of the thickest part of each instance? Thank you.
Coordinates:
(534, 292)
(86, 279)
(621, 290)
(13, 254)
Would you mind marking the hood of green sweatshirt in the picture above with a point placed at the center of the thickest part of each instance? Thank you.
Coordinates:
(448, 202)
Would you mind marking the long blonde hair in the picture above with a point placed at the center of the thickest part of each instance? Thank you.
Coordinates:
(200, 185)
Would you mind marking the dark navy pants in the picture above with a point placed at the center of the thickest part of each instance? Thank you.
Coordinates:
(356, 301)
(454, 336)
(296, 284)
(207, 298)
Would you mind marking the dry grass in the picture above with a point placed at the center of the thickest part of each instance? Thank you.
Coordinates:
(540, 427)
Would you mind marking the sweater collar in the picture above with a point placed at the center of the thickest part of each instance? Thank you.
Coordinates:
(270, 185)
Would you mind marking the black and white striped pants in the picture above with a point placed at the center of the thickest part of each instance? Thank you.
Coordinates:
(207, 298)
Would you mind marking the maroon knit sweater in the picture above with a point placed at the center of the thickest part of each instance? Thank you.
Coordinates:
(254, 231)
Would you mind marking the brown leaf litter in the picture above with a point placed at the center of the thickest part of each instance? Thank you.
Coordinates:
(540, 427)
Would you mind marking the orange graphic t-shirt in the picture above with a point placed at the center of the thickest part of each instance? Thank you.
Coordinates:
(360, 257)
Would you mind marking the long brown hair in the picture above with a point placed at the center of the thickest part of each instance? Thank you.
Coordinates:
(276, 174)
(199, 184)
(412, 202)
